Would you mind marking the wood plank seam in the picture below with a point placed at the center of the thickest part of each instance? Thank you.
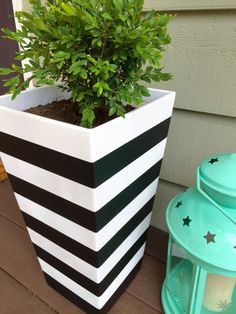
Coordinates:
(27, 289)
(13, 222)
(51, 307)
(148, 305)
(148, 253)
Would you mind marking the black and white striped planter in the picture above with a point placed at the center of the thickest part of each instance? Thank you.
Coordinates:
(86, 194)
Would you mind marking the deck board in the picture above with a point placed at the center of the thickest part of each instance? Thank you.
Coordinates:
(24, 283)
(4, 308)
(8, 206)
(19, 299)
(148, 282)
(130, 305)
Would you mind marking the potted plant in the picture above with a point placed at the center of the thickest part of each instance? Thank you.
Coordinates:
(86, 193)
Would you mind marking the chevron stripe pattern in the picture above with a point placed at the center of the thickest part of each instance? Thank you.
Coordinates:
(86, 195)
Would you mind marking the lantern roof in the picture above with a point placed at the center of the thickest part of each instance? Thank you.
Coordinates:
(218, 175)
(207, 235)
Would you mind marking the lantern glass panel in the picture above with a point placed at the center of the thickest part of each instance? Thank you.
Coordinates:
(179, 277)
(219, 295)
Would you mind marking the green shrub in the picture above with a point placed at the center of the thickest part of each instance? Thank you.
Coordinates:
(100, 49)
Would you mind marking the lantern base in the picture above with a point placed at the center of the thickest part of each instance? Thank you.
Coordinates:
(167, 302)
(179, 303)
(175, 294)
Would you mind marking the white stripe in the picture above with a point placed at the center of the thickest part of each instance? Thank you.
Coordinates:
(93, 273)
(82, 143)
(93, 240)
(83, 293)
(92, 199)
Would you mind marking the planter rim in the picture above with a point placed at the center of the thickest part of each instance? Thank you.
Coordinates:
(89, 145)
(163, 93)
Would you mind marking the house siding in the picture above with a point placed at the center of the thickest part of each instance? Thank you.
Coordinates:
(171, 5)
(202, 58)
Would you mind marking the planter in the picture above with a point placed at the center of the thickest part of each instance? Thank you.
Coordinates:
(86, 194)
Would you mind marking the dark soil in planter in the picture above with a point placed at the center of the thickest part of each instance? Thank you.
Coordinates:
(64, 110)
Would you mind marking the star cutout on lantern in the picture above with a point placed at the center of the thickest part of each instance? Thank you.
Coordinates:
(213, 160)
(186, 221)
(180, 203)
(224, 305)
(210, 237)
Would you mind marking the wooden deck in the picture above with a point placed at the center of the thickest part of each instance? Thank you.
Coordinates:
(23, 289)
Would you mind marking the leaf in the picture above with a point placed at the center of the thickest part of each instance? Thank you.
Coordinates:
(99, 43)
(164, 19)
(92, 60)
(106, 86)
(5, 71)
(60, 54)
(80, 97)
(100, 90)
(144, 91)
(118, 4)
(94, 41)
(45, 81)
(149, 15)
(129, 22)
(82, 55)
(112, 111)
(40, 25)
(138, 101)
(122, 17)
(95, 70)
(88, 27)
(26, 83)
(68, 9)
(97, 85)
(16, 68)
(107, 16)
(13, 82)
(15, 93)
(74, 67)
(88, 116)
(115, 57)
(121, 111)
(149, 68)
(166, 76)
(83, 74)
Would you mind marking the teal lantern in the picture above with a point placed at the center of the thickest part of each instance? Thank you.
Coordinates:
(201, 261)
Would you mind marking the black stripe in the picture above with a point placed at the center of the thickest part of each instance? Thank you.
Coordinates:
(88, 308)
(86, 173)
(127, 153)
(95, 288)
(96, 259)
(124, 232)
(111, 209)
(85, 218)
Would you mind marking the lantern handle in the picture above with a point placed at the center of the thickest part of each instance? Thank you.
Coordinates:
(210, 199)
